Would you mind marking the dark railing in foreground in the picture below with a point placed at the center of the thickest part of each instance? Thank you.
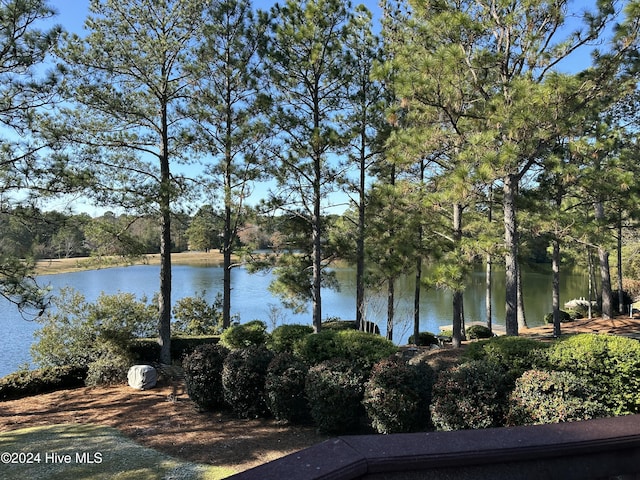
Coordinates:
(607, 448)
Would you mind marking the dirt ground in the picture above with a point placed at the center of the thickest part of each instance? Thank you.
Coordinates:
(170, 424)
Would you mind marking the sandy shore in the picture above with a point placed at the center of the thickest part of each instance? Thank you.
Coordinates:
(66, 265)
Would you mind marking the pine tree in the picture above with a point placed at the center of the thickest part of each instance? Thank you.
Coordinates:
(24, 47)
(307, 62)
(127, 87)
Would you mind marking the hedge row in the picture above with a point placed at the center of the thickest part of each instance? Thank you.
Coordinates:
(337, 394)
(517, 381)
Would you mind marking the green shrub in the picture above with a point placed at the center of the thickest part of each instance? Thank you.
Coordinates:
(425, 338)
(334, 390)
(470, 396)
(245, 335)
(73, 331)
(397, 395)
(564, 317)
(203, 375)
(109, 368)
(513, 354)
(147, 350)
(337, 324)
(195, 316)
(611, 363)
(284, 387)
(284, 337)
(361, 348)
(476, 332)
(244, 376)
(552, 397)
(34, 382)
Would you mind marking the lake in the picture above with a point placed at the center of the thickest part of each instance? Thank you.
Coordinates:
(252, 300)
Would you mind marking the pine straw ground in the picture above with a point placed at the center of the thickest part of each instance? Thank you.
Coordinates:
(170, 424)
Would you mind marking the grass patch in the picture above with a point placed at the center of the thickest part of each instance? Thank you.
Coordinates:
(90, 452)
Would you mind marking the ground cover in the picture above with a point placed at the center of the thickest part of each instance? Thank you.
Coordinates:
(90, 452)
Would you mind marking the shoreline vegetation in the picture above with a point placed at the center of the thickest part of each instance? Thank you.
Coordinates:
(53, 266)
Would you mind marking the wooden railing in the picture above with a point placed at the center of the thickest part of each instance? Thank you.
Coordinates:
(607, 448)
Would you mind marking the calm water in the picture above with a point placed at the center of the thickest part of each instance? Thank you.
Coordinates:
(252, 300)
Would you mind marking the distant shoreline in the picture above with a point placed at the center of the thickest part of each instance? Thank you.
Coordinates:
(54, 266)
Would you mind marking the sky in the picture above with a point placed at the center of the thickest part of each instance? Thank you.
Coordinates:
(72, 14)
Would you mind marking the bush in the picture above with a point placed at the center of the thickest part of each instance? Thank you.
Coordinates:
(147, 350)
(284, 337)
(425, 338)
(552, 397)
(513, 354)
(195, 316)
(476, 332)
(336, 324)
(109, 368)
(244, 376)
(361, 348)
(284, 387)
(34, 382)
(564, 317)
(470, 396)
(397, 395)
(610, 363)
(72, 332)
(245, 335)
(203, 376)
(334, 389)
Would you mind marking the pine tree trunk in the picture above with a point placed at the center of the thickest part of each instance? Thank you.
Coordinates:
(605, 275)
(416, 298)
(556, 288)
(164, 298)
(458, 332)
(390, 307)
(511, 256)
(487, 299)
(522, 318)
(621, 306)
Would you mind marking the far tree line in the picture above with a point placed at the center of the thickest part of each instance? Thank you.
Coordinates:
(454, 128)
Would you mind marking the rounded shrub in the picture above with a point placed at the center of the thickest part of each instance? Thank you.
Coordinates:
(513, 354)
(284, 337)
(610, 363)
(552, 397)
(425, 338)
(564, 317)
(469, 396)
(361, 348)
(203, 375)
(245, 335)
(396, 397)
(476, 332)
(284, 386)
(334, 390)
(244, 376)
